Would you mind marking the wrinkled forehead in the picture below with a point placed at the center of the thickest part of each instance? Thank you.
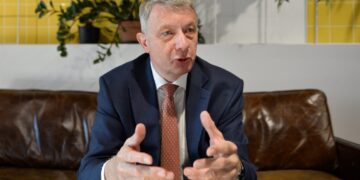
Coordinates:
(173, 9)
(169, 16)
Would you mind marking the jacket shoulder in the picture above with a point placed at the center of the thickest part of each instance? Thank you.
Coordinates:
(125, 71)
(215, 73)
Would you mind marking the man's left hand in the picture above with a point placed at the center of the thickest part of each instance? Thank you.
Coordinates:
(224, 163)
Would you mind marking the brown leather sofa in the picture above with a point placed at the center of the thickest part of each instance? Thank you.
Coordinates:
(44, 134)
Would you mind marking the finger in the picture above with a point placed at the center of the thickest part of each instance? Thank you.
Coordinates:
(233, 174)
(137, 137)
(203, 163)
(194, 173)
(222, 163)
(224, 148)
(210, 127)
(130, 155)
(208, 173)
(132, 170)
(130, 150)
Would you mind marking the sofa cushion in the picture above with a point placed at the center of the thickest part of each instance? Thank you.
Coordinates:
(45, 128)
(295, 175)
(289, 130)
(51, 130)
(36, 174)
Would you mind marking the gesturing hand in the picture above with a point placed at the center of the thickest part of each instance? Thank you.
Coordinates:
(130, 163)
(224, 162)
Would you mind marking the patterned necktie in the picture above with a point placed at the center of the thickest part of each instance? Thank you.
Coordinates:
(170, 157)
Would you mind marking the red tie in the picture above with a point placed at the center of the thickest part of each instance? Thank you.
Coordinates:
(170, 159)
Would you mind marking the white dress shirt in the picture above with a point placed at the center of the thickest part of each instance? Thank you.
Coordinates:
(179, 99)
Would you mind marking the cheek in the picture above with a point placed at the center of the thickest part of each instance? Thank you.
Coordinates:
(193, 51)
(162, 47)
(168, 51)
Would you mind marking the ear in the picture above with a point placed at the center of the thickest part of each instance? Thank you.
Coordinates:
(143, 41)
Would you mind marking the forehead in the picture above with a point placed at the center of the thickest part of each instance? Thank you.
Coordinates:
(162, 14)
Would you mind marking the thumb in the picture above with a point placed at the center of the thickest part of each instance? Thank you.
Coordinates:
(138, 136)
(210, 127)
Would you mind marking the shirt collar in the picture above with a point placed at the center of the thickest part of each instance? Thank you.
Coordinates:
(160, 81)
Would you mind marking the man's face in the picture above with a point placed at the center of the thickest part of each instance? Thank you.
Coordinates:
(171, 40)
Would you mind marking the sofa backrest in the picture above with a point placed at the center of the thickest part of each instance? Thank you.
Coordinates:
(45, 128)
(286, 129)
(289, 130)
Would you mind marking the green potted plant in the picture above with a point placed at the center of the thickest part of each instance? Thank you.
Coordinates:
(119, 19)
(103, 14)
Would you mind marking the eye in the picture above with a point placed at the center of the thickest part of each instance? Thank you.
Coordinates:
(190, 30)
(166, 33)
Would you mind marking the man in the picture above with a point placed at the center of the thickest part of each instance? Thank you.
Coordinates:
(129, 137)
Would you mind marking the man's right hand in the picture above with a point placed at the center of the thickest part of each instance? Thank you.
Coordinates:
(130, 163)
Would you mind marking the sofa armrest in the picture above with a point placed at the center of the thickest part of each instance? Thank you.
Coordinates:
(349, 159)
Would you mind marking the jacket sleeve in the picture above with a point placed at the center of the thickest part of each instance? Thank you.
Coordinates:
(231, 125)
(105, 141)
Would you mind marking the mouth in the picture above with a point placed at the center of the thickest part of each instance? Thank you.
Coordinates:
(183, 59)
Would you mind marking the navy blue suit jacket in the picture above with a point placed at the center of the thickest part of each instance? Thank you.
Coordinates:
(128, 96)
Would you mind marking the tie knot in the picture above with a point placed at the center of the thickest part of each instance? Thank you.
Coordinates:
(169, 89)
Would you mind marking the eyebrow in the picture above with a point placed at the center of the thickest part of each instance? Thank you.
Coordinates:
(167, 26)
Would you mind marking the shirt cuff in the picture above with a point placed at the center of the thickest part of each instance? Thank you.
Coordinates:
(102, 171)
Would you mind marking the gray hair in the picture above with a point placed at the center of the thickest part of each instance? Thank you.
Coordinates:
(147, 5)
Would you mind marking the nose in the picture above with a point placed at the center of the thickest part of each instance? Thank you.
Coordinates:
(181, 42)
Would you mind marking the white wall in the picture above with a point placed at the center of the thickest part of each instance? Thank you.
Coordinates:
(252, 21)
(331, 68)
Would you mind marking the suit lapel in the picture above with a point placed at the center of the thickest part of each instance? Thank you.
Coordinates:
(144, 104)
(197, 100)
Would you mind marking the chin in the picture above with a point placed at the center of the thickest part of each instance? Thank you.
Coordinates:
(184, 71)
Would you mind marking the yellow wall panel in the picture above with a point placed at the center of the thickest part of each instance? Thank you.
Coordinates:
(357, 35)
(357, 20)
(2, 8)
(324, 35)
(28, 21)
(10, 35)
(323, 16)
(341, 14)
(357, 13)
(42, 31)
(338, 21)
(28, 34)
(1, 35)
(53, 19)
(27, 9)
(311, 13)
(30, 1)
(52, 37)
(23, 35)
(31, 36)
(1, 23)
(43, 22)
(20, 19)
(10, 22)
(42, 40)
(341, 35)
(310, 35)
(11, 9)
